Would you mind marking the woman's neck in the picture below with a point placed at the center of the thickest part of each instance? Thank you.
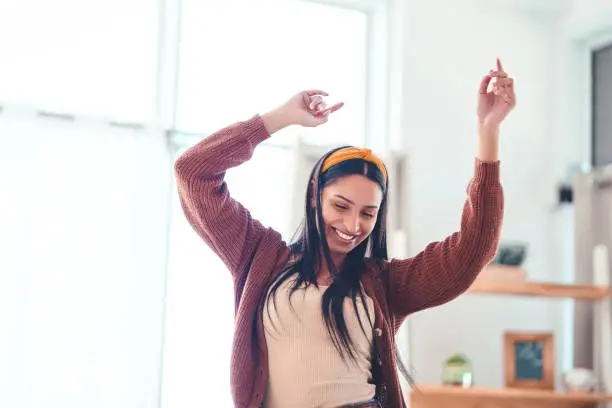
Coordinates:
(324, 276)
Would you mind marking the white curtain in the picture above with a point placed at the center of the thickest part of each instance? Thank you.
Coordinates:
(84, 217)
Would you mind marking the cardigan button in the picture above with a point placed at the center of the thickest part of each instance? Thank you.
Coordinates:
(378, 332)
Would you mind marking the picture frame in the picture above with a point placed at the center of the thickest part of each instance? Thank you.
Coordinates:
(529, 360)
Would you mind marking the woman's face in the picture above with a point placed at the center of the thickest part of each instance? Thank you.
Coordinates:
(350, 207)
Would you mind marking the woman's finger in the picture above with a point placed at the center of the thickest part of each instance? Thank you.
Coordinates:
(510, 92)
(484, 84)
(506, 98)
(320, 119)
(506, 87)
(506, 93)
(314, 92)
(501, 82)
(332, 109)
(319, 108)
(498, 74)
(306, 100)
(314, 102)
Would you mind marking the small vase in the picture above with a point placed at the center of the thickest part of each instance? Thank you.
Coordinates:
(579, 381)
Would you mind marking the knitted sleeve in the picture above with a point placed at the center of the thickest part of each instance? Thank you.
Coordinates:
(446, 269)
(222, 222)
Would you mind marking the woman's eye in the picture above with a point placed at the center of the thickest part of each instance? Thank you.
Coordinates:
(341, 207)
(370, 215)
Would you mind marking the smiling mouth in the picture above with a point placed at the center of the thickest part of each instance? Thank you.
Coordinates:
(344, 237)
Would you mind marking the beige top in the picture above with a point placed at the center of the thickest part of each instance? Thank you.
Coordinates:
(305, 369)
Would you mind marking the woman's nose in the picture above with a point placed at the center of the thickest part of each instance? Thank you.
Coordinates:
(351, 223)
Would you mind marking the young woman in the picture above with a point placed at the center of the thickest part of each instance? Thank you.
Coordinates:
(316, 320)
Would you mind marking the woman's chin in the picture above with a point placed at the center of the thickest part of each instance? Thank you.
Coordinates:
(340, 251)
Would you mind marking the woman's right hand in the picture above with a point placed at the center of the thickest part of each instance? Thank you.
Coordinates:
(308, 108)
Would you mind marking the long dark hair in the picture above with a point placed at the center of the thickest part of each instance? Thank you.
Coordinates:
(309, 242)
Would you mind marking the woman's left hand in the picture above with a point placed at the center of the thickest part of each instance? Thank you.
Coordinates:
(495, 104)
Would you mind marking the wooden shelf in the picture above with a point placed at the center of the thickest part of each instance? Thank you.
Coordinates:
(440, 396)
(579, 292)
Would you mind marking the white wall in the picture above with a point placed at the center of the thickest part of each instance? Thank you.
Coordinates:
(585, 18)
(449, 46)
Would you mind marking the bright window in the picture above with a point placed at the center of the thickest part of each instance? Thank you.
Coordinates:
(234, 64)
(96, 58)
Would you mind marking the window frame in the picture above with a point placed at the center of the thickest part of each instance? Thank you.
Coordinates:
(376, 121)
(377, 81)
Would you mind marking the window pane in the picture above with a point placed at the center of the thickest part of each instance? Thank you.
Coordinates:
(91, 57)
(200, 297)
(237, 63)
(264, 186)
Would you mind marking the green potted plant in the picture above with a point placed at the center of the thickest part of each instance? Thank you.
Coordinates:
(458, 371)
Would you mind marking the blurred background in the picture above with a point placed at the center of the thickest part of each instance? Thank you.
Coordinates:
(109, 299)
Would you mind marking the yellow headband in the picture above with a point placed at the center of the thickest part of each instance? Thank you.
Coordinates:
(349, 153)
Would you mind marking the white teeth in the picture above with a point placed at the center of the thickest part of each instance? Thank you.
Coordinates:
(344, 236)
